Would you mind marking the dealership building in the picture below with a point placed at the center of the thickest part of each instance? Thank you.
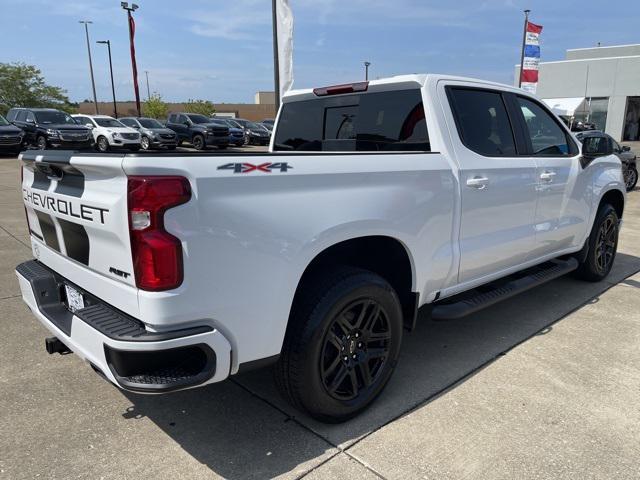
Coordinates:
(599, 85)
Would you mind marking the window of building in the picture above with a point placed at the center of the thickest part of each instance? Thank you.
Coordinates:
(483, 123)
(631, 131)
(593, 111)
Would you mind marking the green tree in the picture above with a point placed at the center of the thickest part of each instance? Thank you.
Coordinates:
(23, 85)
(155, 107)
(203, 107)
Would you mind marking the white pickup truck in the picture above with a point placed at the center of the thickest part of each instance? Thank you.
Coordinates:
(167, 272)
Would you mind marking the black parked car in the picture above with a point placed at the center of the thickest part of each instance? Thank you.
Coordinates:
(624, 153)
(199, 130)
(256, 134)
(11, 137)
(154, 134)
(50, 128)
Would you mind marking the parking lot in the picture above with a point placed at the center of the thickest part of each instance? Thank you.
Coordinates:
(544, 385)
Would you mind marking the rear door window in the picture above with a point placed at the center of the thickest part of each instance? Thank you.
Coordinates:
(482, 121)
(22, 116)
(371, 122)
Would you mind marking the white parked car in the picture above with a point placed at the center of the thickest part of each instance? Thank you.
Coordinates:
(376, 198)
(109, 133)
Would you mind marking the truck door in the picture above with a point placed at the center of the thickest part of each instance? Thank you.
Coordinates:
(562, 211)
(498, 185)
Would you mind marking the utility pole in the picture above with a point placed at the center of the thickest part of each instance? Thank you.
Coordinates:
(524, 40)
(146, 72)
(276, 59)
(113, 88)
(134, 67)
(366, 70)
(93, 82)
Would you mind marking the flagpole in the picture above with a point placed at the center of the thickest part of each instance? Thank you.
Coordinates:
(276, 59)
(524, 40)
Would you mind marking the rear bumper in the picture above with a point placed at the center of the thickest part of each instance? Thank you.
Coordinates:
(119, 346)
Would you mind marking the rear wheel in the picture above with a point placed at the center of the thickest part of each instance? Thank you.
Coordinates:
(198, 142)
(342, 344)
(603, 244)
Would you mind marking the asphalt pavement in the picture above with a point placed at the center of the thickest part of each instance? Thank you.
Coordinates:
(544, 385)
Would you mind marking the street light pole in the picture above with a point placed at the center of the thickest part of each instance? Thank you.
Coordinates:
(366, 70)
(93, 82)
(146, 72)
(113, 88)
(134, 67)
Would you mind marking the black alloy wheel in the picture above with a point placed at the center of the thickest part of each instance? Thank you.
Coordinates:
(355, 349)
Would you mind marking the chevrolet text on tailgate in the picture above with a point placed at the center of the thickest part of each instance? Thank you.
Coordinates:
(175, 271)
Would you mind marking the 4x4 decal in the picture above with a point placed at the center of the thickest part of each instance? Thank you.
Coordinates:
(249, 167)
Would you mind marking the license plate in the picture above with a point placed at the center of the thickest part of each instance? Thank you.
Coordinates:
(74, 299)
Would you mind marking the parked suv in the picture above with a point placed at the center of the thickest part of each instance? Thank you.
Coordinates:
(109, 133)
(256, 134)
(11, 137)
(236, 132)
(624, 153)
(50, 128)
(199, 130)
(154, 134)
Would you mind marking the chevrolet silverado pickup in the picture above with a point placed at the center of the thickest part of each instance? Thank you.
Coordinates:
(168, 272)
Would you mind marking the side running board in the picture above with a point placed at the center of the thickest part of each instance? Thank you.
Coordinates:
(470, 302)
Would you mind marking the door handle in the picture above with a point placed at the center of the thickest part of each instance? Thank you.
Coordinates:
(479, 183)
(547, 176)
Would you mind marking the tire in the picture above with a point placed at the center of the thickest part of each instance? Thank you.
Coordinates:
(603, 244)
(41, 143)
(102, 144)
(145, 143)
(331, 366)
(198, 142)
(630, 178)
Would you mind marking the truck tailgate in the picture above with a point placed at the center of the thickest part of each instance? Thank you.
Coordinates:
(76, 206)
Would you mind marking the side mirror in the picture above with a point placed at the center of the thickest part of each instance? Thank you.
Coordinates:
(89, 125)
(30, 120)
(626, 148)
(594, 146)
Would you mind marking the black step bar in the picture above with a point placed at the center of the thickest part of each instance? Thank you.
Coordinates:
(490, 294)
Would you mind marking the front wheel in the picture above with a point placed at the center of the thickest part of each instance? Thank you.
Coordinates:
(630, 178)
(41, 143)
(342, 344)
(603, 244)
(102, 144)
(198, 142)
(145, 143)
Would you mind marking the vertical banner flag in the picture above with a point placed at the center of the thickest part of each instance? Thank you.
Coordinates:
(134, 67)
(284, 17)
(531, 59)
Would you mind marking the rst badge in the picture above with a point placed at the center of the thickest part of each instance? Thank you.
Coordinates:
(263, 167)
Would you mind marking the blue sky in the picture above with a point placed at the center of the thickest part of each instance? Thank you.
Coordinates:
(221, 50)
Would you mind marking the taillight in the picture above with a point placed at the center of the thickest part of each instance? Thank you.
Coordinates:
(157, 255)
(341, 89)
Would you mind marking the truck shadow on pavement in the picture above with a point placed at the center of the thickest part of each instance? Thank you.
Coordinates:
(242, 428)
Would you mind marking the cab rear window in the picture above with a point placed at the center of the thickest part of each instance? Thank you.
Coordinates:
(384, 121)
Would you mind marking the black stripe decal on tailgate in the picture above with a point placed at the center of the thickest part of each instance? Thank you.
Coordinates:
(48, 230)
(76, 241)
(40, 180)
(71, 184)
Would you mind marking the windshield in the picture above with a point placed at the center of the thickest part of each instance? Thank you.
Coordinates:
(150, 123)
(54, 117)
(233, 123)
(3, 121)
(242, 123)
(108, 123)
(256, 126)
(199, 118)
(219, 123)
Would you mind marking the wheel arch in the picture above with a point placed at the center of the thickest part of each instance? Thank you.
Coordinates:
(384, 255)
(615, 198)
